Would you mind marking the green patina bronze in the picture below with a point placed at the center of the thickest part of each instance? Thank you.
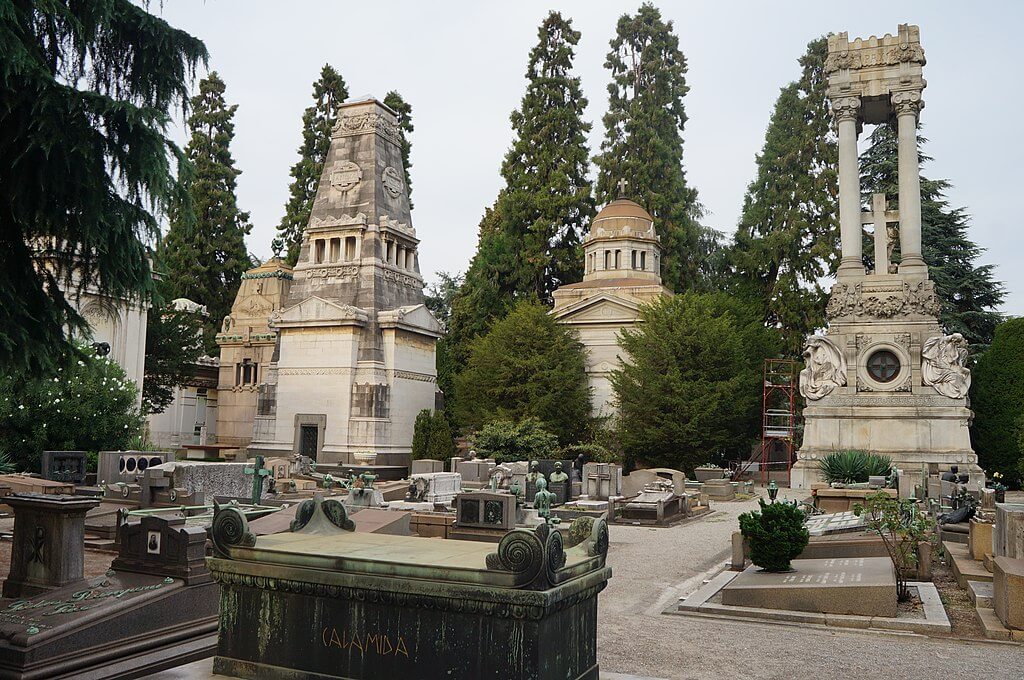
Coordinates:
(259, 473)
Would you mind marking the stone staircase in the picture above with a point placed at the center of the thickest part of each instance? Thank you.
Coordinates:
(975, 577)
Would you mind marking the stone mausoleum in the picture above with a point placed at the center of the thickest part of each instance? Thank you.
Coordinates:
(247, 344)
(354, 360)
(622, 271)
(884, 377)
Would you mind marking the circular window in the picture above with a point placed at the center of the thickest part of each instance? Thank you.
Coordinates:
(883, 365)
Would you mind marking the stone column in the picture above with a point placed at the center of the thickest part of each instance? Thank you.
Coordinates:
(47, 551)
(845, 110)
(907, 105)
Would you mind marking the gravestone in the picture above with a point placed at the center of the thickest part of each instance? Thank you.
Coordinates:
(64, 466)
(49, 531)
(526, 608)
(602, 481)
(426, 465)
(1008, 537)
(485, 510)
(156, 608)
(719, 489)
(126, 466)
(206, 480)
(435, 487)
(835, 523)
(863, 586)
(656, 503)
(475, 471)
(1008, 591)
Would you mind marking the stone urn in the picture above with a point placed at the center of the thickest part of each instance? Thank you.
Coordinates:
(364, 458)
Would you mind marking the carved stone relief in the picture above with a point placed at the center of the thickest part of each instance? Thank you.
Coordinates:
(345, 176)
(851, 300)
(393, 183)
(825, 368)
(943, 365)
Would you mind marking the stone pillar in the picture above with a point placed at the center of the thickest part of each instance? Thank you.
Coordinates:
(48, 546)
(907, 105)
(845, 110)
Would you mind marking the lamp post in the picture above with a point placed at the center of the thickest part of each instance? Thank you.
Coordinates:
(773, 490)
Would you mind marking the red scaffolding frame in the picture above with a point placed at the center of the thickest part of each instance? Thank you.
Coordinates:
(778, 418)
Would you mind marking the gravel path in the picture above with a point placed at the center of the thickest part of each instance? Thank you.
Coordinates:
(652, 568)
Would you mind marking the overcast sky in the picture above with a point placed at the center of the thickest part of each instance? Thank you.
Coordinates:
(461, 65)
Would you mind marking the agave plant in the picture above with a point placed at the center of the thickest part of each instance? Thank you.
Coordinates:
(850, 467)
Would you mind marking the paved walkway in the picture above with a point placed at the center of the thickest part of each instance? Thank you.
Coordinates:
(653, 568)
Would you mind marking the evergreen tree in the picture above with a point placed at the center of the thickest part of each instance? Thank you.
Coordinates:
(174, 342)
(691, 390)
(968, 292)
(85, 93)
(547, 200)
(527, 365)
(643, 139)
(529, 240)
(787, 237)
(404, 111)
(317, 122)
(997, 399)
(204, 253)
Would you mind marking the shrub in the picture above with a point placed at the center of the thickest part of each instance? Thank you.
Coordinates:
(88, 404)
(505, 441)
(902, 527)
(776, 534)
(854, 467)
(432, 437)
(997, 399)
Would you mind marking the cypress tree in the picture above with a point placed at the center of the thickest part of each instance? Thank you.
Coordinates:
(84, 106)
(204, 253)
(643, 139)
(529, 240)
(787, 238)
(317, 122)
(968, 291)
(997, 398)
(397, 104)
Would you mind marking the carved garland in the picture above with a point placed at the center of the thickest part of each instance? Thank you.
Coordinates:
(361, 123)
(898, 54)
(850, 300)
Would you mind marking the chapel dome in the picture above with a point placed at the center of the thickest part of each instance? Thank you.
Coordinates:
(623, 207)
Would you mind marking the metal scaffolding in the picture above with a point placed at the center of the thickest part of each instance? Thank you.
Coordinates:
(778, 420)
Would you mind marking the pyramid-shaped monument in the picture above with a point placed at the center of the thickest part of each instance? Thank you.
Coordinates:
(355, 355)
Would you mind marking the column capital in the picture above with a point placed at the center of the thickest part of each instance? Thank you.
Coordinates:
(845, 108)
(907, 102)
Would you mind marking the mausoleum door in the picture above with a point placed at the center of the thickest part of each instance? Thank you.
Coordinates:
(308, 441)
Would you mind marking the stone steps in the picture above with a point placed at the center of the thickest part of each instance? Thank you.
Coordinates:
(994, 628)
(964, 568)
(981, 593)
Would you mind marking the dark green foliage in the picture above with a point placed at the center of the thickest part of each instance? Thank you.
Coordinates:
(776, 534)
(439, 297)
(506, 441)
(404, 111)
(787, 239)
(204, 254)
(592, 453)
(86, 404)
(691, 390)
(432, 438)
(968, 292)
(529, 240)
(643, 139)
(854, 467)
(85, 91)
(317, 122)
(173, 345)
(997, 399)
(526, 366)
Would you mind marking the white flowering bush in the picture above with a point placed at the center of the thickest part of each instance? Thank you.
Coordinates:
(88, 405)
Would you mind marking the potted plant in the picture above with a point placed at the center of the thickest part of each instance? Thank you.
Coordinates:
(776, 535)
(999, 487)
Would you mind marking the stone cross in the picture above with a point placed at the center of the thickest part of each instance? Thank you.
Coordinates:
(881, 218)
(622, 186)
(258, 473)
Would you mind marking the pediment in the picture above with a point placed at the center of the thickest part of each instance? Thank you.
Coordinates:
(316, 311)
(415, 318)
(600, 308)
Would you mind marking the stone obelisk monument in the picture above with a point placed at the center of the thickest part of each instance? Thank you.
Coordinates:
(883, 378)
(354, 362)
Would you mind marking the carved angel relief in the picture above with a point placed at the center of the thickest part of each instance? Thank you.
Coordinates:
(943, 365)
(825, 368)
